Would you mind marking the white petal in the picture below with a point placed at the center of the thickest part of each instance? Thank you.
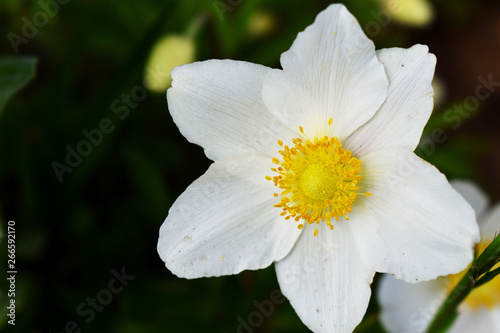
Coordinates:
(331, 71)
(490, 224)
(225, 222)
(401, 119)
(409, 307)
(474, 195)
(325, 280)
(482, 320)
(218, 105)
(414, 225)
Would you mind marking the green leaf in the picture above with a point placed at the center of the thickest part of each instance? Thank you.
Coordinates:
(472, 279)
(14, 74)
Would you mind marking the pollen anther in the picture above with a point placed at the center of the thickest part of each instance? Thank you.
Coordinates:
(318, 180)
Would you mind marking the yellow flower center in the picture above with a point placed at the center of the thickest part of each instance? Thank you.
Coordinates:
(487, 295)
(318, 180)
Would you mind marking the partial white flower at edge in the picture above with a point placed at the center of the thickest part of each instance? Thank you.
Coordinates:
(409, 308)
(314, 171)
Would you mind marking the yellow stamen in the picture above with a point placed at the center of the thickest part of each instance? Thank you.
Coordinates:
(318, 180)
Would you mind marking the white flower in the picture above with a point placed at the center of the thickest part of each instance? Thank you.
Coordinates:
(338, 123)
(409, 308)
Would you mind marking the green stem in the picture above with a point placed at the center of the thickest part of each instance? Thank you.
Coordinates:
(472, 279)
(487, 277)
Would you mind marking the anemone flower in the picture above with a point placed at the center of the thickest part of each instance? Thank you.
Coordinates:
(314, 171)
(409, 308)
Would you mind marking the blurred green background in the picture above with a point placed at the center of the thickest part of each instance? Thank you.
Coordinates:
(72, 231)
